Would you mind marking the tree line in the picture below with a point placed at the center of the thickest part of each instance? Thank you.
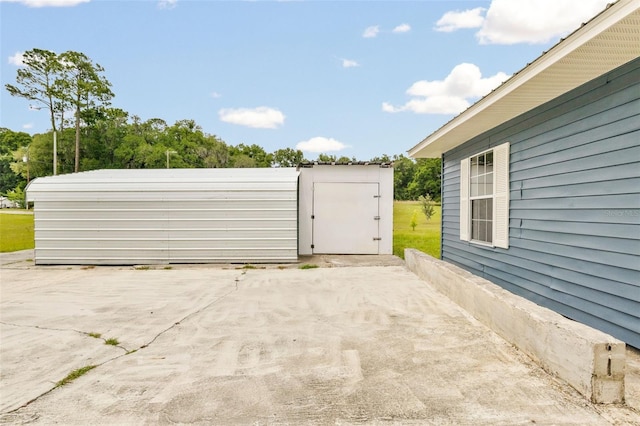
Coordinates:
(99, 136)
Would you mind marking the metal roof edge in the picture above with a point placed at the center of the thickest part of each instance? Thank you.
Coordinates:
(310, 164)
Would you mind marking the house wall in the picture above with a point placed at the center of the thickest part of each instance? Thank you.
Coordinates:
(574, 229)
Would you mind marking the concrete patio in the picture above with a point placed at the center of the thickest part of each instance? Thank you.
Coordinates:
(338, 344)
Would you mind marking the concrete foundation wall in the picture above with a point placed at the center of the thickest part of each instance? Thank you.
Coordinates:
(589, 360)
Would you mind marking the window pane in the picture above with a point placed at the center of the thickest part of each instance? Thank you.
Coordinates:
(481, 185)
(474, 166)
(482, 231)
(474, 187)
(488, 184)
(483, 210)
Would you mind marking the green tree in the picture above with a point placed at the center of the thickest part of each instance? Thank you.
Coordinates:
(84, 88)
(213, 153)
(40, 156)
(11, 142)
(127, 154)
(414, 220)
(427, 205)
(344, 159)
(39, 81)
(250, 156)
(403, 173)
(242, 161)
(17, 196)
(426, 179)
(288, 157)
(105, 131)
(384, 158)
(326, 158)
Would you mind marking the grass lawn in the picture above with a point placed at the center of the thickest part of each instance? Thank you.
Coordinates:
(16, 232)
(426, 236)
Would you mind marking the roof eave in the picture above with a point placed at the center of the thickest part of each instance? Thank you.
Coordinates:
(441, 140)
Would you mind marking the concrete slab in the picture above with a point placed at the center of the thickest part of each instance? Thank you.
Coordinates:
(339, 345)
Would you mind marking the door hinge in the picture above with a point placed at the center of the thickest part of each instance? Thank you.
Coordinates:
(377, 238)
(377, 196)
(313, 216)
(312, 246)
(376, 218)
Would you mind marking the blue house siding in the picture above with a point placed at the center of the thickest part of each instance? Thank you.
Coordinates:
(574, 219)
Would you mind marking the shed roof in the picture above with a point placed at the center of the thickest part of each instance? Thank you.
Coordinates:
(158, 179)
(610, 39)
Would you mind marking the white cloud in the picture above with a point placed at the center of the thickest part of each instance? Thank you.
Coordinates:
(348, 63)
(47, 3)
(17, 59)
(455, 20)
(167, 4)
(216, 95)
(27, 126)
(371, 32)
(535, 21)
(451, 95)
(402, 28)
(259, 118)
(320, 144)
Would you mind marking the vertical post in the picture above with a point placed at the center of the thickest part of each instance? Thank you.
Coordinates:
(169, 152)
(55, 152)
(25, 159)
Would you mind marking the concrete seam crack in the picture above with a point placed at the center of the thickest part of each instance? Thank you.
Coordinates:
(127, 352)
(189, 315)
(85, 333)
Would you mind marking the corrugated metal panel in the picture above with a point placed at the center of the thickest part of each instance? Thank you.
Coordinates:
(166, 216)
(574, 236)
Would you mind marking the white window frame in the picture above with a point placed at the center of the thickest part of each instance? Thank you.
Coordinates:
(500, 196)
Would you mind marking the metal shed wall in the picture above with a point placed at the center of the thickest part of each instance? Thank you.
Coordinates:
(574, 231)
(343, 173)
(166, 216)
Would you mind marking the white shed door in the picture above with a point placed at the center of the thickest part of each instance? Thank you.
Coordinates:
(345, 218)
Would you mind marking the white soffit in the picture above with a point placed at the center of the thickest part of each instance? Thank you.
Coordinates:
(607, 41)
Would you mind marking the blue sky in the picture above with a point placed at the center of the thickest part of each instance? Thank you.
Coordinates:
(354, 78)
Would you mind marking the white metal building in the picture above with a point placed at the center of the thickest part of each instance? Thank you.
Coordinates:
(166, 216)
(158, 216)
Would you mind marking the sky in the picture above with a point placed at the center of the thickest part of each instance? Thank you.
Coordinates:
(347, 78)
